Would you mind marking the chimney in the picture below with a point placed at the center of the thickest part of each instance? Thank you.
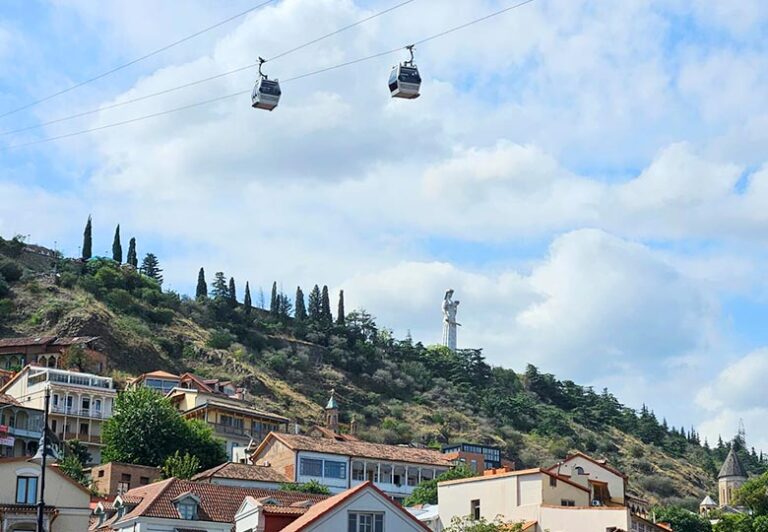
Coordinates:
(332, 414)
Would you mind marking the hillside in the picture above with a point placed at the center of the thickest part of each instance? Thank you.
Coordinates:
(399, 390)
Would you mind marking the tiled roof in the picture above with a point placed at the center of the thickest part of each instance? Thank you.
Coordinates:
(72, 340)
(217, 503)
(732, 466)
(245, 408)
(26, 341)
(529, 525)
(602, 463)
(237, 471)
(8, 400)
(159, 374)
(359, 449)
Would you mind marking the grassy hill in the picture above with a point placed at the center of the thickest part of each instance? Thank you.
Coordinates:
(398, 390)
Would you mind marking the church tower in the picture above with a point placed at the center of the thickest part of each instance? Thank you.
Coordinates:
(731, 477)
(332, 413)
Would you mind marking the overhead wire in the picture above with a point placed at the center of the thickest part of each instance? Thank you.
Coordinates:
(239, 93)
(207, 79)
(137, 60)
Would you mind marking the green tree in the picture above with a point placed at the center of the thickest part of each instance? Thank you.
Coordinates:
(150, 267)
(313, 486)
(682, 520)
(300, 311)
(117, 248)
(131, 258)
(754, 495)
(201, 292)
(232, 293)
(76, 358)
(468, 524)
(325, 308)
(274, 302)
(87, 240)
(181, 466)
(426, 491)
(72, 467)
(314, 304)
(219, 287)
(247, 304)
(340, 314)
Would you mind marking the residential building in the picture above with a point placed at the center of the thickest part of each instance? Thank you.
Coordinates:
(364, 508)
(49, 351)
(586, 495)
(340, 465)
(235, 421)
(243, 475)
(20, 428)
(160, 381)
(116, 478)
(477, 457)
(80, 402)
(175, 505)
(67, 502)
(428, 515)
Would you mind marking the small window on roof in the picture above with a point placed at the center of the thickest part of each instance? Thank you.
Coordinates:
(187, 509)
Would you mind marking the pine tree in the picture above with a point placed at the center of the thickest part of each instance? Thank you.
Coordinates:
(340, 313)
(150, 267)
(117, 248)
(132, 258)
(232, 293)
(87, 240)
(300, 312)
(247, 305)
(219, 289)
(274, 302)
(314, 304)
(284, 306)
(202, 287)
(326, 316)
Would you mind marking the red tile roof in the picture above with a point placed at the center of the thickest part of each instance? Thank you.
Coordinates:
(26, 341)
(358, 449)
(237, 471)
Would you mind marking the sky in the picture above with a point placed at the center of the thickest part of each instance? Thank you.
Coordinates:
(588, 175)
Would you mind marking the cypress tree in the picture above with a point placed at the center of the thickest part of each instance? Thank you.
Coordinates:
(274, 302)
(325, 310)
(247, 299)
(314, 304)
(340, 313)
(202, 287)
(232, 293)
(131, 258)
(300, 312)
(219, 289)
(87, 240)
(117, 248)
(150, 267)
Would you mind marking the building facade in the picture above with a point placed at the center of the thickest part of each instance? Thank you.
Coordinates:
(49, 351)
(116, 478)
(731, 477)
(20, 428)
(80, 402)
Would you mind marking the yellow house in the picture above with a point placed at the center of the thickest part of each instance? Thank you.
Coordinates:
(235, 421)
(67, 502)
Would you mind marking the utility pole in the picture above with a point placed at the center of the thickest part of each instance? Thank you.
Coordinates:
(41, 500)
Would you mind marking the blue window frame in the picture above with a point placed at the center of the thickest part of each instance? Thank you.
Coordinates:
(26, 490)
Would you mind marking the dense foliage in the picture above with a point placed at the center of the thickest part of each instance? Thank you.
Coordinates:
(426, 492)
(313, 486)
(179, 465)
(467, 524)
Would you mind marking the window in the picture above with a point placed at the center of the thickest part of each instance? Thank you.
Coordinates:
(143, 481)
(97, 405)
(125, 477)
(122, 487)
(187, 510)
(101, 473)
(365, 522)
(579, 470)
(335, 469)
(83, 429)
(55, 399)
(85, 403)
(311, 467)
(474, 509)
(553, 482)
(53, 425)
(567, 502)
(26, 490)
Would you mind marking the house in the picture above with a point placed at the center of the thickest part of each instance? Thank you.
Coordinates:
(364, 508)
(67, 502)
(477, 457)
(49, 351)
(116, 478)
(160, 381)
(235, 421)
(175, 505)
(428, 515)
(80, 402)
(341, 465)
(580, 494)
(243, 475)
(20, 427)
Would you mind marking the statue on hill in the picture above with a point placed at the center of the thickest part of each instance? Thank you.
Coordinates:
(449, 320)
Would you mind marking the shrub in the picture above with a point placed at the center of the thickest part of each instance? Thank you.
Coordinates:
(68, 280)
(220, 339)
(4, 288)
(162, 316)
(10, 270)
(6, 307)
(661, 486)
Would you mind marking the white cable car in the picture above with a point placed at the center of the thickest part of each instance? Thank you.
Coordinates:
(266, 92)
(404, 80)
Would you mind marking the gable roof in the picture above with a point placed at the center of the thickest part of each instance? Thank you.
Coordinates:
(602, 463)
(357, 449)
(320, 509)
(732, 466)
(236, 471)
(521, 472)
(217, 503)
(49, 467)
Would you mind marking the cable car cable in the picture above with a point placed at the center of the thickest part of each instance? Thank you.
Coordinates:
(204, 80)
(138, 59)
(239, 93)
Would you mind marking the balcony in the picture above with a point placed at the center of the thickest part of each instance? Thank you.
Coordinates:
(78, 412)
(85, 438)
(27, 430)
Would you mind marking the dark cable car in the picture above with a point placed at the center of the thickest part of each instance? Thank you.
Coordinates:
(404, 80)
(266, 92)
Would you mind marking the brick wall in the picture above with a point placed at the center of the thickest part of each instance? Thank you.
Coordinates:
(107, 478)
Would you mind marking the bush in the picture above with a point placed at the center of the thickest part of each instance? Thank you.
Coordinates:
(162, 316)
(661, 486)
(220, 339)
(4, 288)
(6, 307)
(68, 280)
(10, 270)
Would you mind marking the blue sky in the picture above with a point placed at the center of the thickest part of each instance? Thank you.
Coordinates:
(588, 175)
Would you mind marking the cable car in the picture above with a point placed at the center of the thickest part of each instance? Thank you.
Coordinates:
(404, 80)
(266, 93)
